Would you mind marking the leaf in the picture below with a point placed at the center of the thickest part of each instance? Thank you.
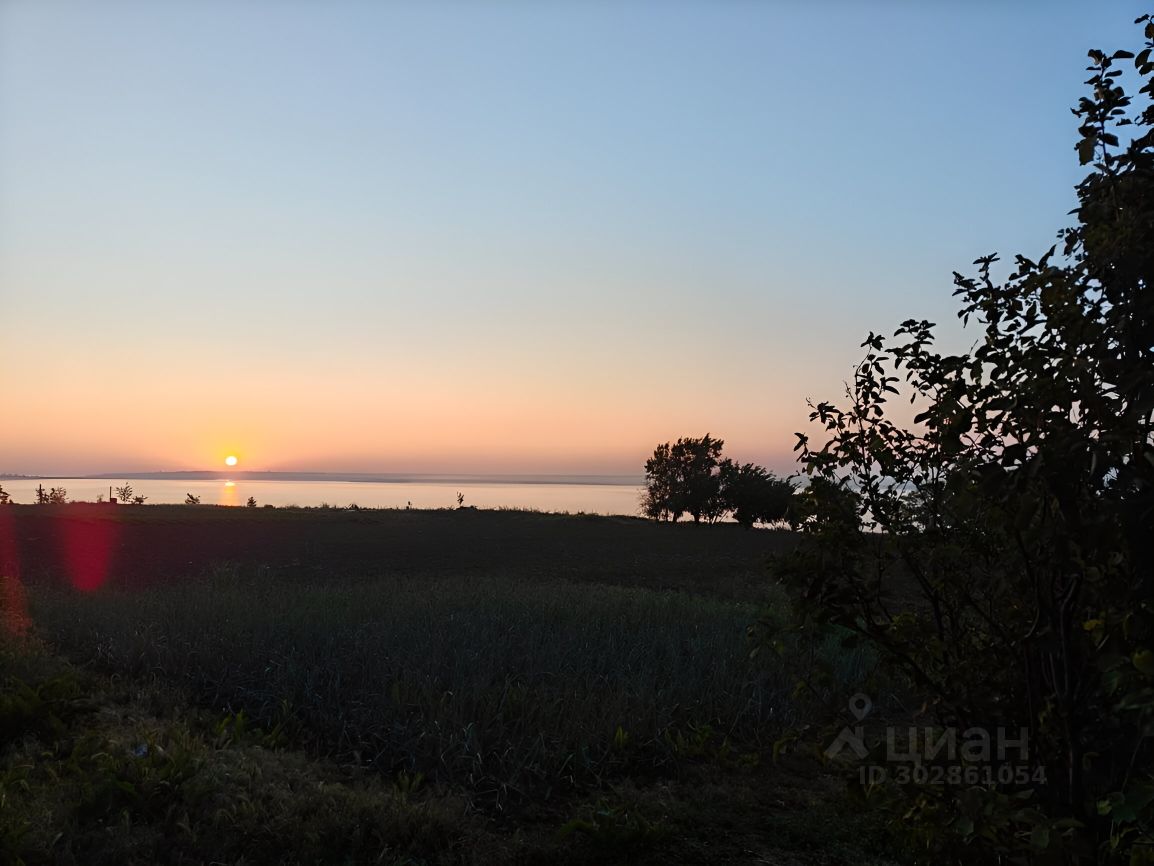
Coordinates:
(1144, 661)
(1140, 795)
(1040, 837)
(1086, 150)
(1110, 803)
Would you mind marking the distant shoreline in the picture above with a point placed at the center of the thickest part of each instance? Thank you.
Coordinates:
(354, 477)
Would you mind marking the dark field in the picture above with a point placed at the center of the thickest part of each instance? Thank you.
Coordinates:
(143, 545)
(400, 687)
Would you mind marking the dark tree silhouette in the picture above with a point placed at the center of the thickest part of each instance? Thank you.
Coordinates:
(684, 478)
(1017, 518)
(753, 494)
(689, 476)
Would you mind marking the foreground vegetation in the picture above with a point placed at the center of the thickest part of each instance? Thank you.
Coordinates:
(506, 713)
(95, 770)
(507, 687)
(1021, 508)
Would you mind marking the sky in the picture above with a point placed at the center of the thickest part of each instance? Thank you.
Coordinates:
(503, 236)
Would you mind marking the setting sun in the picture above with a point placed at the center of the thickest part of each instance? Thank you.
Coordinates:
(230, 461)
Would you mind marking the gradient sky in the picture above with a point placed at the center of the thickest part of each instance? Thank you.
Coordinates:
(505, 236)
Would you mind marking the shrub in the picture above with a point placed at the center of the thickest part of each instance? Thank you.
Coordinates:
(1017, 517)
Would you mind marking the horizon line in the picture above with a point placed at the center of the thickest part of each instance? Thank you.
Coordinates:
(352, 477)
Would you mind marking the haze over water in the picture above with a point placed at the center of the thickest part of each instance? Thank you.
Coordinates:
(591, 498)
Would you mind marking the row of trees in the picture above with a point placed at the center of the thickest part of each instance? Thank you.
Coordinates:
(59, 496)
(691, 477)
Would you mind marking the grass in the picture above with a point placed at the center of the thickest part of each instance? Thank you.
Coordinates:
(508, 687)
(91, 774)
(484, 709)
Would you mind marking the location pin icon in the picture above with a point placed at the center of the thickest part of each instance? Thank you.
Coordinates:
(860, 705)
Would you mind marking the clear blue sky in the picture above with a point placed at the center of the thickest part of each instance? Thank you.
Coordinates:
(498, 236)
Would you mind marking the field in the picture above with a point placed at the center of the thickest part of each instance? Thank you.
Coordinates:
(274, 685)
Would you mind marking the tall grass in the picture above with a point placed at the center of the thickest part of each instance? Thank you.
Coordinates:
(501, 685)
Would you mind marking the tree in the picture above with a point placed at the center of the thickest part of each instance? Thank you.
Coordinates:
(684, 477)
(690, 476)
(190, 499)
(659, 482)
(124, 494)
(1019, 516)
(660, 485)
(699, 462)
(57, 496)
(5, 496)
(251, 502)
(41, 495)
(753, 494)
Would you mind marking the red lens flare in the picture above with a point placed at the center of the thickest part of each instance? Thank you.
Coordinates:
(87, 547)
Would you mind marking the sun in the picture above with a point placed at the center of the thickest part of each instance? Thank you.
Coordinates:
(230, 460)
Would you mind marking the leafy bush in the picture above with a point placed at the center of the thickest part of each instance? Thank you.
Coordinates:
(1016, 520)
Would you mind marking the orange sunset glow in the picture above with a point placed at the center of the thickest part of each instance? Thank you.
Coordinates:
(459, 291)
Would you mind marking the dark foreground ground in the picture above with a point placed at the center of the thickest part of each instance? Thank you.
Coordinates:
(140, 545)
(209, 685)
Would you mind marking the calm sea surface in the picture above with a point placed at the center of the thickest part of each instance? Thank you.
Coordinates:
(590, 498)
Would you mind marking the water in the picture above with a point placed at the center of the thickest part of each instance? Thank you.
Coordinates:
(591, 498)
